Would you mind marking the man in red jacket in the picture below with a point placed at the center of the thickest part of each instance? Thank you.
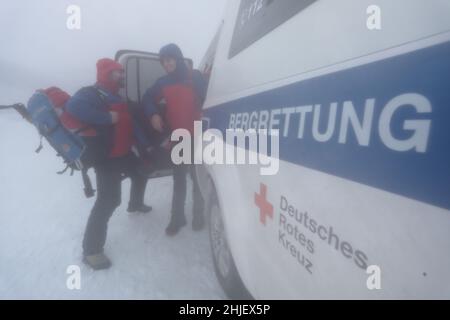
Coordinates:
(183, 91)
(109, 137)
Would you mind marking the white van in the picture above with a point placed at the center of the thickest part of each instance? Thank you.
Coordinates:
(360, 205)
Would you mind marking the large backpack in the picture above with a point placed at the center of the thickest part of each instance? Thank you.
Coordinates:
(45, 115)
(46, 111)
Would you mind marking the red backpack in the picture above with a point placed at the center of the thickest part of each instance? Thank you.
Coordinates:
(59, 98)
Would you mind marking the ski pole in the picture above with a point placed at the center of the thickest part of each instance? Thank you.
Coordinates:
(20, 108)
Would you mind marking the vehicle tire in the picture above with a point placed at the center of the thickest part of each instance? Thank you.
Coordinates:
(224, 265)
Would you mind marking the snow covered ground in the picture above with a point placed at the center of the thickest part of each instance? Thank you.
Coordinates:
(42, 219)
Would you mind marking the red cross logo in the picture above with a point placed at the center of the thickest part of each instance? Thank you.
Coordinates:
(265, 207)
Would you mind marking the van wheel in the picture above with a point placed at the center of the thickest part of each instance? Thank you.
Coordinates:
(224, 266)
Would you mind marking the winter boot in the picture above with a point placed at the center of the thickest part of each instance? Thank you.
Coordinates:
(97, 261)
(176, 223)
(139, 208)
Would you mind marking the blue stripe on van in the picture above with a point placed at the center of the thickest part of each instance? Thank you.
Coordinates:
(421, 176)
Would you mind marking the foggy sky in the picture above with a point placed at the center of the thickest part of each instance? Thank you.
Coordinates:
(38, 50)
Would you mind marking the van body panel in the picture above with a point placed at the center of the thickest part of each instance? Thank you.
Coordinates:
(349, 194)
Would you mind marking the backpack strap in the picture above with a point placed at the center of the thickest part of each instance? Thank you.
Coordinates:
(64, 170)
(82, 129)
(39, 148)
(101, 95)
(89, 192)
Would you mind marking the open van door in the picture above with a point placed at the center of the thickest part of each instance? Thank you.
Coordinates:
(142, 69)
(207, 63)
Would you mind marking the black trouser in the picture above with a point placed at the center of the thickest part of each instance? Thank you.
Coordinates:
(179, 191)
(109, 181)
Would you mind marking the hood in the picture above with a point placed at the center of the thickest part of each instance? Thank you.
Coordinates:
(104, 67)
(173, 51)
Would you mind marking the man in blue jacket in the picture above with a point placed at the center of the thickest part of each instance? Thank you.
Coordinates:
(183, 91)
(107, 128)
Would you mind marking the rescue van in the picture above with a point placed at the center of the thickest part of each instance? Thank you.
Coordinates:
(359, 207)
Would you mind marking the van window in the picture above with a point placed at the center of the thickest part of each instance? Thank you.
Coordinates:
(150, 70)
(257, 18)
(132, 80)
(142, 73)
